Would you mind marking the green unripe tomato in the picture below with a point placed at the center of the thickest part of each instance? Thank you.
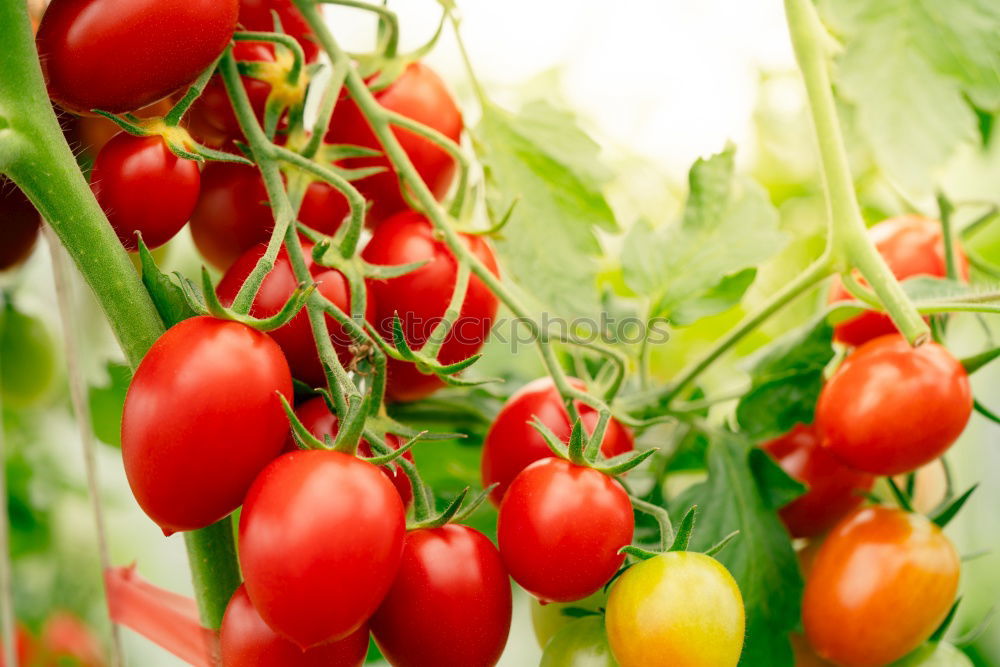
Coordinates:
(935, 655)
(27, 358)
(548, 619)
(581, 643)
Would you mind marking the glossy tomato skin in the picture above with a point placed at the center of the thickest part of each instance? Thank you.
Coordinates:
(120, 56)
(295, 337)
(319, 526)
(450, 603)
(317, 418)
(19, 225)
(891, 408)
(911, 245)
(247, 641)
(512, 443)
(201, 419)
(881, 583)
(417, 93)
(145, 188)
(256, 15)
(422, 296)
(833, 488)
(560, 528)
(678, 609)
(582, 643)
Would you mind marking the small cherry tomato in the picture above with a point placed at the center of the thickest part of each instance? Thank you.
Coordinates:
(295, 337)
(912, 246)
(145, 188)
(560, 528)
(418, 93)
(548, 618)
(119, 56)
(513, 443)
(450, 603)
(833, 488)
(19, 225)
(258, 16)
(582, 643)
(201, 419)
(678, 608)
(321, 537)
(881, 583)
(247, 641)
(317, 418)
(891, 408)
(421, 298)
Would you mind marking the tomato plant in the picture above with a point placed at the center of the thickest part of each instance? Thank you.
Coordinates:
(549, 618)
(201, 419)
(891, 408)
(20, 225)
(28, 365)
(213, 111)
(581, 642)
(877, 562)
(259, 15)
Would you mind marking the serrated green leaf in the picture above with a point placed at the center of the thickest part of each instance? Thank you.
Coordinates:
(776, 486)
(761, 560)
(106, 404)
(166, 294)
(540, 158)
(718, 299)
(785, 382)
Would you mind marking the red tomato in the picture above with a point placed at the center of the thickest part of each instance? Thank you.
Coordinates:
(833, 489)
(256, 15)
(19, 225)
(233, 213)
(891, 408)
(119, 56)
(422, 296)
(417, 93)
(450, 603)
(27, 650)
(512, 443)
(143, 187)
(881, 583)
(560, 528)
(318, 419)
(295, 337)
(201, 420)
(66, 640)
(247, 641)
(321, 536)
(911, 245)
(213, 108)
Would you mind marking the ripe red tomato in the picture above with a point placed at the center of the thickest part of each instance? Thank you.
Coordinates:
(422, 296)
(213, 108)
(512, 443)
(560, 528)
(233, 213)
(450, 603)
(911, 245)
(417, 93)
(317, 418)
(201, 419)
(144, 187)
(891, 408)
(881, 583)
(19, 225)
(256, 15)
(321, 536)
(295, 337)
(120, 56)
(833, 488)
(247, 641)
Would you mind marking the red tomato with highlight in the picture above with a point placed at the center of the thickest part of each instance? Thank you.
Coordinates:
(881, 583)
(513, 443)
(833, 489)
(422, 296)
(418, 93)
(891, 408)
(19, 225)
(145, 188)
(118, 55)
(247, 641)
(296, 336)
(450, 603)
(321, 537)
(912, 246)
(317, 418)
(257, 16)
(560, 528)
(201, 419)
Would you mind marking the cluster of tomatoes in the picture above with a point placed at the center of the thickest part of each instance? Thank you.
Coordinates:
(888, 409)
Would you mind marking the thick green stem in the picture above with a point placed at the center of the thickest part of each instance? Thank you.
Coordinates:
(212, 557)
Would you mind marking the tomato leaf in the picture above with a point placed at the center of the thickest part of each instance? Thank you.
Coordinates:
(543, 160)
(699, 266)
(761, 557)
(777, 487)
(785, 382)
(166, 294)
(107, 402)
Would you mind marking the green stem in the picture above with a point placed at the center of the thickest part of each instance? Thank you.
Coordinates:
(212, 557)
(946, 209)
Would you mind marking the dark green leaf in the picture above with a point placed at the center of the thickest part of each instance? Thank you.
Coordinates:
(776, 487)
(167, 295)
(106, 403)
